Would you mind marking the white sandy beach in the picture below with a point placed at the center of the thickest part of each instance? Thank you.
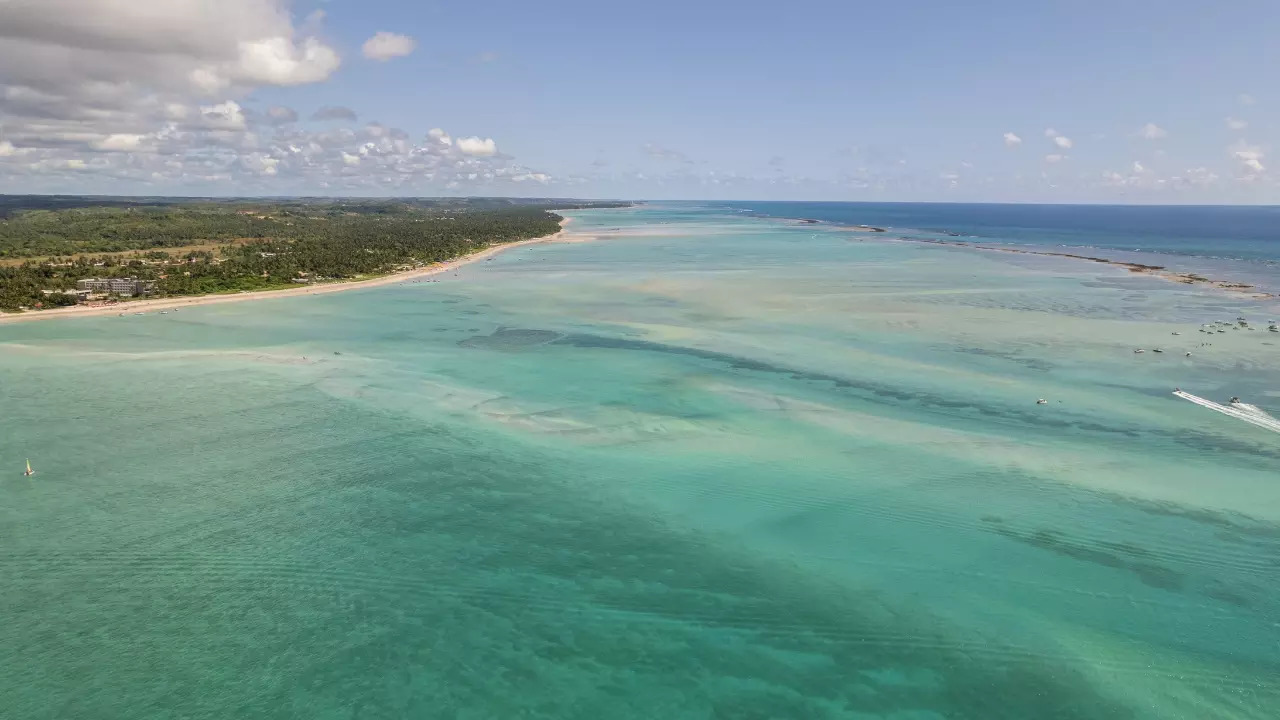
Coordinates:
(340, 286)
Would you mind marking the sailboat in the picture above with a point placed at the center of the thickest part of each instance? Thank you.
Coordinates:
(29, 471)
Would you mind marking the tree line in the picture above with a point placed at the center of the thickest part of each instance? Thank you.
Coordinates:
(255, 245)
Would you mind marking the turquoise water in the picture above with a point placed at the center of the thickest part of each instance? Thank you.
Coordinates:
(695, 465)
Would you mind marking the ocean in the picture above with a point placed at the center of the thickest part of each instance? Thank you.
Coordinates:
(1239, 242)
(700, 462)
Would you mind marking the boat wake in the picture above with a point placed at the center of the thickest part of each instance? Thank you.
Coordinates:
(1251, 414)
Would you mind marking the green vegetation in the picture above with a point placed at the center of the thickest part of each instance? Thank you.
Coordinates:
(207, 246)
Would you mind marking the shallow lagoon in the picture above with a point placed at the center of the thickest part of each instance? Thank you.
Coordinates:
(694, 465)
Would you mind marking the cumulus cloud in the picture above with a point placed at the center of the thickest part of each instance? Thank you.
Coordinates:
(1195, 177)
(439, 136)
(1011, 140)
(223, 116)
(334, 112)
(1234, 124)
(126, 95)
(1249, 157)
(1054, 158)
(88, 73)
(1058, 138)
(1152, 131)
(372, 158)
(477, 146)
(279, 61)
(387, 45)
(120, 142)
(1142, 177)
(69, 48)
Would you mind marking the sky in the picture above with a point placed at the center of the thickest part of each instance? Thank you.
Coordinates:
(1124, 101)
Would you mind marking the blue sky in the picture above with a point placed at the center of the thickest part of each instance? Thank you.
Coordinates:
(1130, 101)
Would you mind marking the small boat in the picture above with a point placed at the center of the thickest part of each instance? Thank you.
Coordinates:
(1177, 333)
(1188, 354)
(1139, 351)
(29, 471)
(1157, 350)
(164, 312)
(1042, 401)
(1234, 401)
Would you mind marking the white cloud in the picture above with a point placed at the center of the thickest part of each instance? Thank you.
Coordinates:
(1234, 124)
(476, 146)
(174, 45)
(536, 177)
(279, 61)
(439, 136)
(1050, 132)
(1137, 167)
(1152, 131)
(1062, 142)
(120, 142)
(118, 75)
(219, 152)
(1249, 157)
(1246, 99)
(1011, 140)
(1054, 158)
(1195, 177)
(386, 45)
(223, 116)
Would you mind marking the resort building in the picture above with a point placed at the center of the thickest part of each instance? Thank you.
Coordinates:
(116, 286)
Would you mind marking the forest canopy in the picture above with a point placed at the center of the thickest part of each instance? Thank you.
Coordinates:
(199, 246)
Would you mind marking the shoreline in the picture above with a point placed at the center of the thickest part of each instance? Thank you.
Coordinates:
(129, 307)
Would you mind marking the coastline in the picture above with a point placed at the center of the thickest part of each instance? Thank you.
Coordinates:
(170, 303)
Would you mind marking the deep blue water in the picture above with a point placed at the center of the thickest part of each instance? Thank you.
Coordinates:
(1250, 233)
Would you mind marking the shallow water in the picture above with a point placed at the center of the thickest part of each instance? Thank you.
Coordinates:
(700, 466)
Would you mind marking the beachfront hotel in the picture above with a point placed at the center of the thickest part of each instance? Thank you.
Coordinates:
(116, 286)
